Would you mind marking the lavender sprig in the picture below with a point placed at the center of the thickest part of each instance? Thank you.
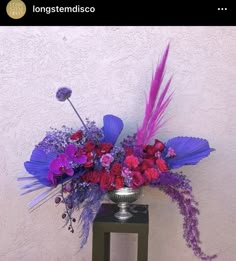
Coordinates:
(178, 188)
(90, 209)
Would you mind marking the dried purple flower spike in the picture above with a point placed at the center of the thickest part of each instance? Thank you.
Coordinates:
(63, 93)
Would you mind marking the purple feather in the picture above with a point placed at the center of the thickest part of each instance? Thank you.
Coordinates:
(155, 106)
(189, 151)
(90, 209)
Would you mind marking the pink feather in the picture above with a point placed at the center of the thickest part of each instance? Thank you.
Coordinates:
(155, 105)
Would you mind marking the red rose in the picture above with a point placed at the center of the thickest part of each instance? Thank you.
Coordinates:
(94, 177)
(131, 161)
(85, 177)
(151, 173)
(116, 169)
(89, 146)
(159, 145)
(77, 135)
(146, 163)
(98, 151)
(119, 182)
(106, 147)
(150, 150)
(106, 181)
(129, 151)
(137, 179)
(161, 164)
(103, 149)
(89, 162)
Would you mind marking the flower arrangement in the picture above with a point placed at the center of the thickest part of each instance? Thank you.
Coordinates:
(78, 167)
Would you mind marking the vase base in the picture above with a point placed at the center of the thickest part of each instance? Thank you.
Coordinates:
(123, 215)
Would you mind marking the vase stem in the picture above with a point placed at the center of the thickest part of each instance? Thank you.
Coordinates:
(123, 213)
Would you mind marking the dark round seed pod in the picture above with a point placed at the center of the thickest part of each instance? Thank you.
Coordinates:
(74, 220)
(69, 205)
(63, 215)
(57, 200)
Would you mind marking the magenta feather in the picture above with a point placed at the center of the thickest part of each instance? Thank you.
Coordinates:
(155, 106)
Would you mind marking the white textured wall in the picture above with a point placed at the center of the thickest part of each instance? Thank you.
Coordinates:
(109, 68)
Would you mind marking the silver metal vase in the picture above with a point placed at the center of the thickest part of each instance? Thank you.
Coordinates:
(123, 197)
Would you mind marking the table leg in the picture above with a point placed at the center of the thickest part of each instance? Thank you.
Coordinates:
(143, 246)
(101, 246)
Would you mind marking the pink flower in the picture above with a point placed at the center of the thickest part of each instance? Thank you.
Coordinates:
(161, 164)
(106, 160)
(151, 173)
(76, 155)
(131, 161)
(125, 172)
(59, 167)
(171, 153)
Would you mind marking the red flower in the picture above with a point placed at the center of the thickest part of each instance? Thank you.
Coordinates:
(106, 181)
(94, 177)
(103, 149)
(119, 182)
(89, 146)
(159, 145)
(77, 135)
(89, 162)
(137, 179)
(98, 151)
(151, 173)
(116, 169)
(129, 151)
(162, 166)
(85, 177)
(131, 161)
(146, 163)
(106, 147)
(150, 150)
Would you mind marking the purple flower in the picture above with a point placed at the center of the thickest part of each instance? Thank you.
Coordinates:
(58, 167)
(106, 160)
(63, 93)
(126, 173)
(170, 153)
(75, 154)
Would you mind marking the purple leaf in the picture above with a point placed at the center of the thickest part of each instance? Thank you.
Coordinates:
(189, 151)
(112, 128)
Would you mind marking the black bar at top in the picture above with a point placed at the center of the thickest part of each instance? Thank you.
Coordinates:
(129, 12)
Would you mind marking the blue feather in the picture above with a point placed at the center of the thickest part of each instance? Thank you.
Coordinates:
(189, 151)
(112, 128)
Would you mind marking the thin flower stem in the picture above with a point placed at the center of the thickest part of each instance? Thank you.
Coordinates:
(78, 114)
(67, 210)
